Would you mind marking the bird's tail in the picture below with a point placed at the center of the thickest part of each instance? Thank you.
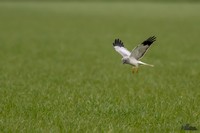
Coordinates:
(142, 63)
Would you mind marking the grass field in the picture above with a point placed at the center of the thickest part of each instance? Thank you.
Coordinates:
(59, 72)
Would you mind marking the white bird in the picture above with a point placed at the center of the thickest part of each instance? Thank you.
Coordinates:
(133, 57)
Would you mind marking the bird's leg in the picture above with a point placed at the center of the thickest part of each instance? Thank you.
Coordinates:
(136, 69)
(133, 70)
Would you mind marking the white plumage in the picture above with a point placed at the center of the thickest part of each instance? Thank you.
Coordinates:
(133, 57)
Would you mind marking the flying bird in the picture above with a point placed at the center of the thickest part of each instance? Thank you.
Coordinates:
(133, 58)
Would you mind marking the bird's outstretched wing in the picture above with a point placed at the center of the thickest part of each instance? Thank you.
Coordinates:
(139, 51)
(119, 47)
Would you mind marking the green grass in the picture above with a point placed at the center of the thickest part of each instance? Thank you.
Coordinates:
(59, 72)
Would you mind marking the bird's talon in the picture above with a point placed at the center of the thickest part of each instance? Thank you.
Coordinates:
(136, 70)
(133, 70)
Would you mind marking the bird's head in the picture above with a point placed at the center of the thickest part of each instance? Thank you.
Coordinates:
(124, 60)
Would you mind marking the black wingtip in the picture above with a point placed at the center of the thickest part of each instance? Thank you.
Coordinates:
(149, 41)
(118, 42)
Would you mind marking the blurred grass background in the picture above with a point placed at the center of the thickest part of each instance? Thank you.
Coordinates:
(60, 73)
(100, 0)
